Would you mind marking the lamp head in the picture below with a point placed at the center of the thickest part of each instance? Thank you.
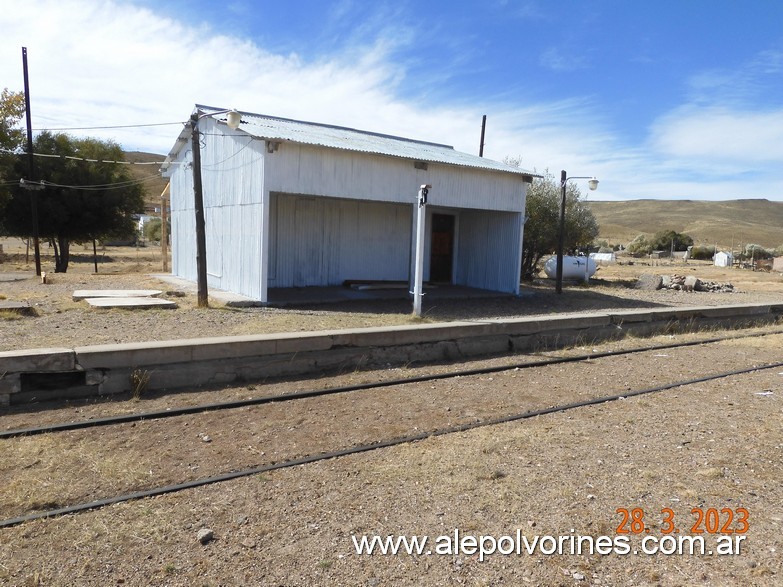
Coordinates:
(593, 184)
(233, 119)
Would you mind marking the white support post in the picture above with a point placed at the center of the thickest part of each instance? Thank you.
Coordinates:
(418, 276)
(265, 243)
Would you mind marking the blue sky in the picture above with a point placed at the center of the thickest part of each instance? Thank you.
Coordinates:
(658, 99)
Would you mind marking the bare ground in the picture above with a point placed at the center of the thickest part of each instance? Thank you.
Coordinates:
(711, 445)
(61, 322)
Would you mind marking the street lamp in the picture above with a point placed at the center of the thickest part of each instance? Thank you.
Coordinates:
(232, 120)
(593, 185)
(418, 271)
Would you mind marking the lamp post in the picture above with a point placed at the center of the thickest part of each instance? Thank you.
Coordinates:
(418, 272)
(593, 185)
(233, 119)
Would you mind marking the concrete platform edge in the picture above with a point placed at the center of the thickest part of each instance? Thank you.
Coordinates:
(178, 364)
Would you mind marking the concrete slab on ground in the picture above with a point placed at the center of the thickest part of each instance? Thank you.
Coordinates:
(7, 277)
(224, 297)
(302, 296)
(81, 294)
(21, 308)
(130, 303)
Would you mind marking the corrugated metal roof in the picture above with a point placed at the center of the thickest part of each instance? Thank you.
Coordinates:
(349, 139)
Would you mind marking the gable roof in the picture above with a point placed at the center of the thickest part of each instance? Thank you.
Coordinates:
(272, 128)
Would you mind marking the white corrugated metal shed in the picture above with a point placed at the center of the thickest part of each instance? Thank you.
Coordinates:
(298, 204)
(271, 128)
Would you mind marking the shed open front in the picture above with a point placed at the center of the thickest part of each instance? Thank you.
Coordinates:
(320, 241)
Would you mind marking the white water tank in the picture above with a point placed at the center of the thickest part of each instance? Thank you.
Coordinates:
(573, 267)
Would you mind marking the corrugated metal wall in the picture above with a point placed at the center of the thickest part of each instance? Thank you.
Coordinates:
(305, 169)
(183, 223)
(232, 177)
(488, 250)
(324, 241)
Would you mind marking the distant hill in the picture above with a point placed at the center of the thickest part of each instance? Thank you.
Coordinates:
(724, 222)
(154, 183)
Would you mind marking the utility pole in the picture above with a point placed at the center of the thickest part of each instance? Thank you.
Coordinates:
(201, 235)
(31, 164)
(483, 129)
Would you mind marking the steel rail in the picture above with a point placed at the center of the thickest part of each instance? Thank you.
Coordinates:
(357, 449)
(269, 399)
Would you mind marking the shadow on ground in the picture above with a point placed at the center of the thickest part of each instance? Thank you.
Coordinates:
(534, 299)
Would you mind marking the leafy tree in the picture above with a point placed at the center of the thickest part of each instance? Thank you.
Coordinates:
(11, 112)
(757, 252)
(11, 139)
(660, 241)
(663, 240)
(703, 253)
(543, 220)
(152, 229)
(82, 200)
(639, 246)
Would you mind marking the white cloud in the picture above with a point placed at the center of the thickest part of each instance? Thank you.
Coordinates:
(114, 63)
(721, 137)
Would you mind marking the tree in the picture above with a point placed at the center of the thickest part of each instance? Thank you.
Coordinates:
(543, 220)
(757, 252)
(639, 246)
(11, 139)
(703, 252)
(82, 200)
(664, 240)
(152, 230)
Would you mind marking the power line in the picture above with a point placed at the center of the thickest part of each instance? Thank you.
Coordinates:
(101, 187)
(74, 158)
(110, 127)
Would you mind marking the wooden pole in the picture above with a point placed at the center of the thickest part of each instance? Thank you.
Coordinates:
(31, 163)
(483, 129)
(201, 234)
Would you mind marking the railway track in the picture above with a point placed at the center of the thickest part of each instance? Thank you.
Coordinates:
(374, 444)
(286, 397)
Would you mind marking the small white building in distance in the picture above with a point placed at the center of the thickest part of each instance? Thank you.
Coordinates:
(723, 259)
(295, 204)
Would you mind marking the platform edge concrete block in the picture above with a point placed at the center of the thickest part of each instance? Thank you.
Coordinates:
(10, 383)
(44, 359)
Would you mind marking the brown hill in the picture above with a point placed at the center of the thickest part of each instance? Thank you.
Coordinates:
(727, 223)
(151, 180)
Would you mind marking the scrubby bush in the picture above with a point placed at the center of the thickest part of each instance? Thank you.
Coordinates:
(703, 253)
(152, 230)
(639, 246)
(664, 240)
(757, 252)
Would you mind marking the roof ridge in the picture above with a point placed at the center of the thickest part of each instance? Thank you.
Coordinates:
(334, 126)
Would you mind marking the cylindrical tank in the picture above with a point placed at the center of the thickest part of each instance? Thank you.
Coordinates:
(573, 267)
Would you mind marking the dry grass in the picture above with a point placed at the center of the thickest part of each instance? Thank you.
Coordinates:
(727, 222)
(10, 315)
